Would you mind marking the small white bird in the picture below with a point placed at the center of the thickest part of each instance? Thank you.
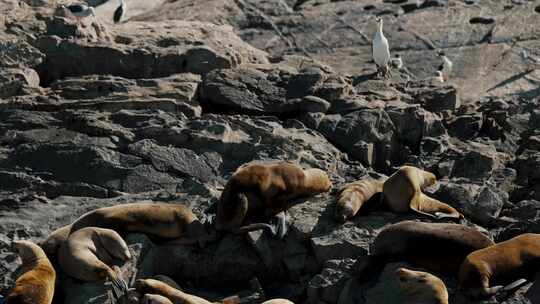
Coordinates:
(446, 66)
(381, 49)
(80, 10)
(119, 11)
(396, 62)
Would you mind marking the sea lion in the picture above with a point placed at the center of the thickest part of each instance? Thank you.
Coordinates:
(35, 285)
(508, 261)
(278, 301)
(151, 286)
(155, 299)
(162, 220)
(87, 254)
(353, 196)
(402, 192)
(274, 183)
(439, 247)
(420, 287)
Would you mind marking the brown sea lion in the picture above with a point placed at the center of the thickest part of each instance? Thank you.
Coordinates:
(402, 192)
(506, 262)
(162, 220)
(439, 247)
(353, 196)
(278, 301)
(151, 286)
(276, 184)
(35, 285)
(420, 287)
(87, 254)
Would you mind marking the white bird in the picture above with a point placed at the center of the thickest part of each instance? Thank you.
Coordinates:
(119, 11)
(80, 10)
(381, 49)
(436, 79)
(396, 62)
(446, 66)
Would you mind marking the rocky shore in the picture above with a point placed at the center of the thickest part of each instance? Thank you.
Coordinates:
(166, 105)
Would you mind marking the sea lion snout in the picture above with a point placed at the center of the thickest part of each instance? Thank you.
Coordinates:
(402, 274)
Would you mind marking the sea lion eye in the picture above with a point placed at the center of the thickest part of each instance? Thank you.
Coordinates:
(422, 281)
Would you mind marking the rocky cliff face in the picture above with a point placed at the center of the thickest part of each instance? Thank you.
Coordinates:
(168, 104)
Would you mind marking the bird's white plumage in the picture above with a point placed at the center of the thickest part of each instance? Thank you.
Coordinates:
(437, 79)
(380, 48)
(80, 10)
(446, 67)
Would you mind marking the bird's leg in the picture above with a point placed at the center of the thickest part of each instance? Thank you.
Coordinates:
(379, 71)
(387, 72)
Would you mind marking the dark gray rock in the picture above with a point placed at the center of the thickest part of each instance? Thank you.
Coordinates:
(482, 204)
(476, 163)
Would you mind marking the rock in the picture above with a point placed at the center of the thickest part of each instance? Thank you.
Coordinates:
(465, 126)
(369, 126)
(175, 93)
(326, 287)
(15, 81)
(438, 99)
(482, 204)
(254, 91)
(143, 54)
(534, 120)
(524, 210)
(16, 53)
(526, 165)
(413, 123)
(182, 162)
(476, 163)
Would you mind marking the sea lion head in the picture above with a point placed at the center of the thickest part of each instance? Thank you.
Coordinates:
(344, 208)
(421, 285)
(428, 178)
(27, 251)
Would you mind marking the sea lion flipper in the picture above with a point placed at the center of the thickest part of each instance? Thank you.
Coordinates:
(423, 213)
(119, 287)
(516, 284)
(442, 216)
(253, 227)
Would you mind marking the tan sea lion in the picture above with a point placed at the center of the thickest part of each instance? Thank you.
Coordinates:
(87, 254)
(439, 247)
(402, 192)
(508, 261)
(276, 184)
(278, 301)
(162, 220)
(420, 287)
(151, 286)
(35, 285)
(155, 299)
(353, 196)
